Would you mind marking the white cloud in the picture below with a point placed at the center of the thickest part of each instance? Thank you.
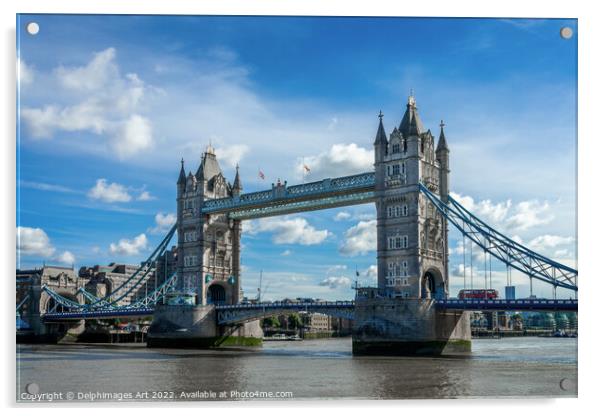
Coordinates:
(529, 214)
(25, 72)
(33, 241)
(359, 239)
(562, 254)
(43, 122)
(46, 187)
(505, 216)
(66, 257)
(95, 98)
(112, 192)
(287, 230)
(340, 160)
(286, 253)
(98, 73)
(134, 136)
(358, 216)
(337, 268)
(547, 241)
(231, 155)
(163, 222)
(342, 216)
(371, 272)
(129, 247)
(335, 282)
(145, 196)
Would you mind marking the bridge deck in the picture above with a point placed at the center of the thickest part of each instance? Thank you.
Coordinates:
(98, 314)
(568, 305)
(251, 311)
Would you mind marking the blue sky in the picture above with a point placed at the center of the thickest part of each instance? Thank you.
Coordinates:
(109, 105)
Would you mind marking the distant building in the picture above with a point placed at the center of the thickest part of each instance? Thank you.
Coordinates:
(316, 322)
(62, 280)
(103, 281)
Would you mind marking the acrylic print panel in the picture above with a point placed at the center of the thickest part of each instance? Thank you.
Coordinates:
(282, 208)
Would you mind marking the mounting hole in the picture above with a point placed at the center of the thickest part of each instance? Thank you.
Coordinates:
(32, 28)
(566, 32)
(32, 388)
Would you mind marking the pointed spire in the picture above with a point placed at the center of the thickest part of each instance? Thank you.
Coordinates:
(182, 177)
(237, 182)
(381, 136)
(411, 125)
(199, 171)
(442, 145)
(210, 148)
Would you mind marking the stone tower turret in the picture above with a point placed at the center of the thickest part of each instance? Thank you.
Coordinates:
(208, 245)
(411, 235)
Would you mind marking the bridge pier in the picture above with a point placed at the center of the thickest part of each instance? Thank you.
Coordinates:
(195, 326)
(41, 332)
(396, 326)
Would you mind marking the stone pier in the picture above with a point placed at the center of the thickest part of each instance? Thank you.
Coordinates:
(195, 326)
(408, 327)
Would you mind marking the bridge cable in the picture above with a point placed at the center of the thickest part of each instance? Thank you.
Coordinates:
(507, 250)
(490, 278)
(464, 255)
(471, 282)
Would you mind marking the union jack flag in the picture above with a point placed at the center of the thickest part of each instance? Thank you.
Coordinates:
(261, 175)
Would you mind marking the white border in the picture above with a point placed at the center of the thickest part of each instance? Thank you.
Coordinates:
(590, 153)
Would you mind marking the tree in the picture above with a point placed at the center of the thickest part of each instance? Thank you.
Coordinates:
(270, 322)
(294, 321)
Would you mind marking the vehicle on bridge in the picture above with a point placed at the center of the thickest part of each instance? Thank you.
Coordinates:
(478, 294)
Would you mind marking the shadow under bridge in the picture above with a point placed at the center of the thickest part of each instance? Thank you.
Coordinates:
(236, 314)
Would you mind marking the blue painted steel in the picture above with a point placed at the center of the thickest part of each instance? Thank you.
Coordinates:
(231, 314)
(509, 304)
(502, 247)
(112, 299)
(282, 199)
(97, 314)
(144, 302)
(20, 305)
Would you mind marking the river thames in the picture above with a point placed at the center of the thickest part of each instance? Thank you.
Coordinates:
(313, 369)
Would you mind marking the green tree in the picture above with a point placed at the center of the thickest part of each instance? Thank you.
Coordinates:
(294, 321)
(270, 322)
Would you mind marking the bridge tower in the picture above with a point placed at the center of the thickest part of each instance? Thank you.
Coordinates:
(208, 266)
(411, 234)
(400, 317)
(208, 245)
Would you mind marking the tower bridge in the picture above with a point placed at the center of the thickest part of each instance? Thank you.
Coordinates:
(409, 312)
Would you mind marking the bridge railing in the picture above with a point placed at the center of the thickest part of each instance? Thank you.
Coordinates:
(509, 304)
(262, 305)
(324, 187)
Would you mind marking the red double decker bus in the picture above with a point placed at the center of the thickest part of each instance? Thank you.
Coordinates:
(478, 294)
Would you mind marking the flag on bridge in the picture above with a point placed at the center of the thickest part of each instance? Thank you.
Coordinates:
(306, 168)
(261, 175)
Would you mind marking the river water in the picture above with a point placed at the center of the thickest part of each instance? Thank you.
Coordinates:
(313, 369)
